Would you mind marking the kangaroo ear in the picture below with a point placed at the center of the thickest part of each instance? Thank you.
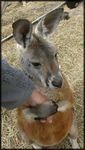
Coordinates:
(22, 30)
(48, 23)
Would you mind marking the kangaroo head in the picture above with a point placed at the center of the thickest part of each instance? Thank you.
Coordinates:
(38, 54)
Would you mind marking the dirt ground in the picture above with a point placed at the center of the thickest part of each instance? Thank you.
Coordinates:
(68, 39)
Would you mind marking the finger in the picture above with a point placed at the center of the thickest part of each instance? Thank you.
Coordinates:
(49, 119)
(43, 121)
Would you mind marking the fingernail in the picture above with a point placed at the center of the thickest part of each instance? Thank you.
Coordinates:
(49, 120)
(43, 121)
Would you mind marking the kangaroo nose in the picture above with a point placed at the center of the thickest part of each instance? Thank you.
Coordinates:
(57, 83)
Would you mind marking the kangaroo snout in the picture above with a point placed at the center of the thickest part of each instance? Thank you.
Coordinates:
(55, 81)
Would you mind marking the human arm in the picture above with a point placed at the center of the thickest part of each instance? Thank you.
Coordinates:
(16, 86)
(18, 89)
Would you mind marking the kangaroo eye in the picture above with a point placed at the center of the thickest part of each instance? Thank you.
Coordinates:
(55, 55)
(35, 64)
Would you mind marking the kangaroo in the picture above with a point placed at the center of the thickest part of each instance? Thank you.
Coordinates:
(39, 61)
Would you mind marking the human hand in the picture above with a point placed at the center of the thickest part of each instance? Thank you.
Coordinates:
(35, 99)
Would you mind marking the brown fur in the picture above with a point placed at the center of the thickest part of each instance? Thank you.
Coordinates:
(45, 133)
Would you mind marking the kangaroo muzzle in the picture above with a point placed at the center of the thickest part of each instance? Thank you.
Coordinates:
(55, 81)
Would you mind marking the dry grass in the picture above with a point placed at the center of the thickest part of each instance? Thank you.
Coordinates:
(69, 41)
